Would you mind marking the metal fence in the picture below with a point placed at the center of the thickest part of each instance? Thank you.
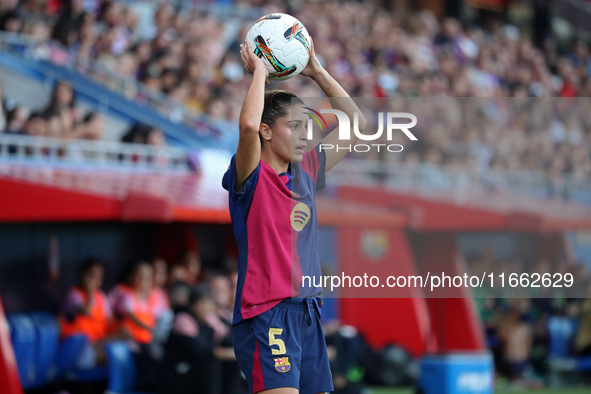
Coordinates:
(461, 183)
(51, 152)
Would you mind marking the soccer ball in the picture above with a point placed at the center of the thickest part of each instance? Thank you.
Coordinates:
(282, 42)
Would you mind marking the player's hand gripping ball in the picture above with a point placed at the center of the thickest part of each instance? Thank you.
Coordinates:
(282, 42)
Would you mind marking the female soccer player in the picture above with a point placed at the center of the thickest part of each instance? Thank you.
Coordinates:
(272, 182)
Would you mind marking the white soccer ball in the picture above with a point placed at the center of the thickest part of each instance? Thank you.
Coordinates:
(282, 42)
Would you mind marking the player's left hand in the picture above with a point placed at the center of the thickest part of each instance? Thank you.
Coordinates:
(313, 67)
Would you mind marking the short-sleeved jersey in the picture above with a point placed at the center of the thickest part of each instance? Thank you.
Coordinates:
(275, 225)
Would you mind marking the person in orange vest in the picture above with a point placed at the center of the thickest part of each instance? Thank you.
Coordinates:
(86, 311)
(138, 305)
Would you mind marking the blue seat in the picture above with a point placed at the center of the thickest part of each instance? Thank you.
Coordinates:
(121, 368)
(65, 366)
(68, 353)
(47, 329)
(562, 331)
(24, 339)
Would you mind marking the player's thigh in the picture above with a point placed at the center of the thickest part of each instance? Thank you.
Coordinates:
(281, 390)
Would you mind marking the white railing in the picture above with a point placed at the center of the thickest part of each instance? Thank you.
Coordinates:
(459, 182)
(56, 151)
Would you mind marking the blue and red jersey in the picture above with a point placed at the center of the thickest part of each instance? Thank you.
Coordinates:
(275, 225)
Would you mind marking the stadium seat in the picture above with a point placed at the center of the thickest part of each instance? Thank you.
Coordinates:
(46, 349)
(54, 360)
(67, 358)
(68, 353)
(121, 368)
(562, 331)
(23, 337)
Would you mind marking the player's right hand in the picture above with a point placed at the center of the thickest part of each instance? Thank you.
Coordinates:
(251, 61)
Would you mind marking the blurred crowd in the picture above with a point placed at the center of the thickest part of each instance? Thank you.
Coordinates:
(61, 117)
(539, 145)
(175, 318)
(529, 332)
(192, 57)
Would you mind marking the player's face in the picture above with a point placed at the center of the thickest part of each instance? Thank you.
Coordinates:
(289, 135)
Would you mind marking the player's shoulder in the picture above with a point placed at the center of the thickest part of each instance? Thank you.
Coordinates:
(229, 179)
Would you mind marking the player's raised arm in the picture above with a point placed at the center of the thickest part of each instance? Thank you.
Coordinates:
(333, 89)
(248, 153)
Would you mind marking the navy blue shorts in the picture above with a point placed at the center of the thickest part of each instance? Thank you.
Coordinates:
(284, 347)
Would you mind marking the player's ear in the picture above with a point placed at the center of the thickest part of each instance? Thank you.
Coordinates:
(265, 132)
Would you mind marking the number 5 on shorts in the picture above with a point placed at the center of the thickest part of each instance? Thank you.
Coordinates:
(276, 341)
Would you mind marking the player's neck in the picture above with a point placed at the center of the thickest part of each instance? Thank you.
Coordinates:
(277, 164)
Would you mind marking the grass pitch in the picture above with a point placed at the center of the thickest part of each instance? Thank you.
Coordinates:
(580, 390)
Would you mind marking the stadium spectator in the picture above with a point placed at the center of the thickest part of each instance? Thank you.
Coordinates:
(161, 308)
(115, 298)
(221, 287)
(140, 133)
(218, 320)
(135, 307)
(60, 118)
(155, 138)
(178, 274)
(62, 99)
(94, 126)
(86, 311)
(189, 355)
(11, 22)
(54, 127)
(191, 262)
(186, 55)
(178, 294)
(517, 329)
(15, 119)
(65, 29)
(91, 127)
(231, 381)
(160, 268)
(36, 125)
(135, 134)
(516, 339)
